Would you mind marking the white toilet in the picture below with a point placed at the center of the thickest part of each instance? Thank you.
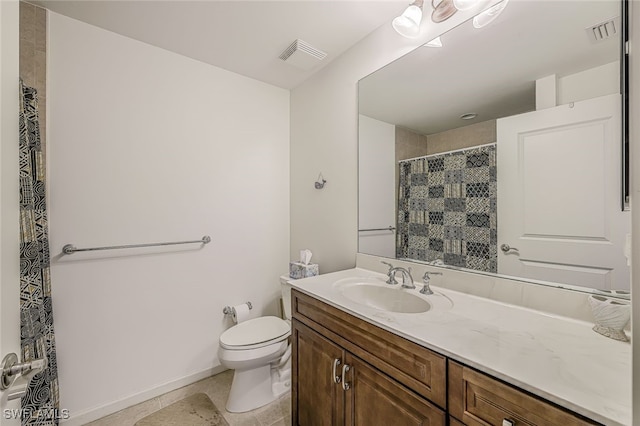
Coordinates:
(259, 352)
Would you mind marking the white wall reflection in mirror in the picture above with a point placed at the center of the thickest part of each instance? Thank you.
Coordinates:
(530, 185)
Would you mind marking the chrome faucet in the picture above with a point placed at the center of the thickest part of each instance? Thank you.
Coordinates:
(425, 279)
(407, 279)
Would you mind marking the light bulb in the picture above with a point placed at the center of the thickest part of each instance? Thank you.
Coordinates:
(464, 4)
(408, 24)
(486, 17)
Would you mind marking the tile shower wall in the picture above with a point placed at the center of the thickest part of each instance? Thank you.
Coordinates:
(447, 209)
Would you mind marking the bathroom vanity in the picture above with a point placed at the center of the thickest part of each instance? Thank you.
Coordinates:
(463, 361)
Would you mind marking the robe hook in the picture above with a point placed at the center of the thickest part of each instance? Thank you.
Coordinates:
(319, 184)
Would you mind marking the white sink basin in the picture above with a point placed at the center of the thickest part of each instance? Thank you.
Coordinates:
(375, 293)
(392, 299)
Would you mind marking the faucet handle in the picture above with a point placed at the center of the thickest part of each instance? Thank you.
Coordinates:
(390, 273)
(425, 279)
(427, 275)
(388, 264)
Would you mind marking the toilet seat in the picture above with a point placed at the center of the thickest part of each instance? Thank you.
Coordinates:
(255, 333)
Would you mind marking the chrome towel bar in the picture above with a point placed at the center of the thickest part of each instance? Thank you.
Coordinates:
(388, 228)
(70, 248)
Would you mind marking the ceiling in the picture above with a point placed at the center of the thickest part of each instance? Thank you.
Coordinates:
(245, 37)
(489, 71)
(426, 90)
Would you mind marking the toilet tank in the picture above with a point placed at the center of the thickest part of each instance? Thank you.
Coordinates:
(286, 296)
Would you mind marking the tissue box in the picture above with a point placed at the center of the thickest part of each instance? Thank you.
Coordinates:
(299, 270)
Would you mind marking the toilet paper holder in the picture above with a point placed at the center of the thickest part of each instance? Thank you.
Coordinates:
(228, 310)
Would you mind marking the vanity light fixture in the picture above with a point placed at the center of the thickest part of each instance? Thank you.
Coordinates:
(489, 15)
(442, 10)
(408, 24)
(465, 4)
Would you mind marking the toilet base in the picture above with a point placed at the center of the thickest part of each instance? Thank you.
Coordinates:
(257, 387)
(281, 379)
(250, 389)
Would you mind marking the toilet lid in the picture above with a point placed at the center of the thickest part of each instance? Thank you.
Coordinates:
(254, 331)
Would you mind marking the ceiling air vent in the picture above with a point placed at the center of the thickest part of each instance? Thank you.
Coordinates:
(302, 55)
(604, 30)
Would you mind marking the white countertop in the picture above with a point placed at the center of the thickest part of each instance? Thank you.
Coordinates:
(559, 359)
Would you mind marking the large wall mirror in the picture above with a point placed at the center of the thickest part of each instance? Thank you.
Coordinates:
(502, 152)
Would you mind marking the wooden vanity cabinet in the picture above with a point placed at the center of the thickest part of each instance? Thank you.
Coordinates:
(478, 399)
(347, 371)
(336, 382)
(358, 394)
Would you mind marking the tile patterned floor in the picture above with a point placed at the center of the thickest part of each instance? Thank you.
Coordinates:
(278, 413)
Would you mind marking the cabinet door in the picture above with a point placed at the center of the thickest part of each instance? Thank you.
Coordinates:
(373, 398)
(416, 367)
(478, 400)
(316, 397)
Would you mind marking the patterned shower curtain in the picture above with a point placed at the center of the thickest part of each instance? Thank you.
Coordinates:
(40, 404)
(447, 209)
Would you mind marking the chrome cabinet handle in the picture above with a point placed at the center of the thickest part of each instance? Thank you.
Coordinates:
(345, 386)
(336, 363)
(507, 248)
(507, 422)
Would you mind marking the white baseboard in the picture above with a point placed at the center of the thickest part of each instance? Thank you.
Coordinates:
(84, 417)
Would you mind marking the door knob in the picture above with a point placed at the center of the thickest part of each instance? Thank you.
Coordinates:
(17, 375)
(507, 248)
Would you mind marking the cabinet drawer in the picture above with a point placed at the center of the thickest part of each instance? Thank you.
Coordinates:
(478, 399)
(416, 367)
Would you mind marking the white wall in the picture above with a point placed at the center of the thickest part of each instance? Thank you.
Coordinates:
(324, 138)
(376, 183)
(591, 83)
(588, 84)
(149, 146)
(9, 198)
